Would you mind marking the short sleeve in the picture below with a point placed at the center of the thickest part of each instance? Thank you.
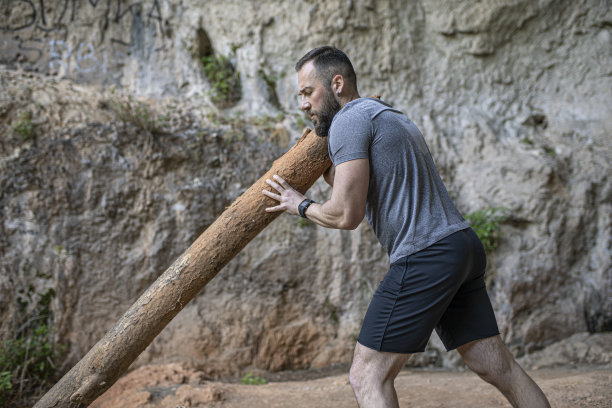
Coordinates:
(349, 136)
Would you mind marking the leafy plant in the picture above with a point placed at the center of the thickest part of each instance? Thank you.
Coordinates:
(550, 151)
(140, 114)
(301, 123)
(6, 385)
(251, 379)
(233, 134)
(270, 81)
(486, 224)
(304, 222)
(224, 80)
(23, 126)
(332, 309)
(29, 360)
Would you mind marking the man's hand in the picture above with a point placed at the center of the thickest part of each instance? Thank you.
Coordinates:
(346, 207)
(289, 198)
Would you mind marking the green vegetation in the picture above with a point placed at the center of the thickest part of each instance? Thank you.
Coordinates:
(224, 80)
(236, 126)
(270, 81)
(305, 222)
(234, 134)
(300, 120)
(6, 385)
(251, 379)
(332, 310)
(140, 114)
(29, 359)
(23, 126)
(264, 122)
(486, 224)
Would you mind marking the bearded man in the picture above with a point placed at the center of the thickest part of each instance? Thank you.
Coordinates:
(382, 169)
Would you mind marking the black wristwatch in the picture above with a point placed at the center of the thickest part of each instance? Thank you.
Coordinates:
(303, 206)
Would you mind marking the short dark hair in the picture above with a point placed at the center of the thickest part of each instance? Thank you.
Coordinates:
(329, 61)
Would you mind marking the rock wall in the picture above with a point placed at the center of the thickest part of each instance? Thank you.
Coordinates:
(513, 97)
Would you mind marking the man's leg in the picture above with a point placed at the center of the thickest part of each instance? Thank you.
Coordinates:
(372, 376)
(493, 362)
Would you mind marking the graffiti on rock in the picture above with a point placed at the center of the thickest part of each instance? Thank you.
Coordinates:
(35, 35)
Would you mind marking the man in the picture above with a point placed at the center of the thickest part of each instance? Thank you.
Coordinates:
(382, 168)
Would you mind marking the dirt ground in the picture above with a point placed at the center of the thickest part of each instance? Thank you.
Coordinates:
(581, 387)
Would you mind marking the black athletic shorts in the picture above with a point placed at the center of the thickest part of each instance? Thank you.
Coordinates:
(440, 287)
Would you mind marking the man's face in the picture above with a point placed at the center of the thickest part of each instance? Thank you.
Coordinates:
(317, 99)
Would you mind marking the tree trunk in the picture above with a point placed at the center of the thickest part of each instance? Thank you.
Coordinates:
(145, 319)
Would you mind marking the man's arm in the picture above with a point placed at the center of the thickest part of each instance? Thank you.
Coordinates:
(328, 176)
(346, 207)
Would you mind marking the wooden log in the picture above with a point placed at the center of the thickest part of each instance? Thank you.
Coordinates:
(213, 249)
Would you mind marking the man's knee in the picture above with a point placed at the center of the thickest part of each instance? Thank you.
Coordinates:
(374, 369)
(490, 359)
(358, 375)
(355, 378)
(491, 370)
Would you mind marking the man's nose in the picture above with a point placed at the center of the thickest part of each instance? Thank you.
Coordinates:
(305, 105)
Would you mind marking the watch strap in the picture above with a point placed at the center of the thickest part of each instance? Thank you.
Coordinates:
(303, 206)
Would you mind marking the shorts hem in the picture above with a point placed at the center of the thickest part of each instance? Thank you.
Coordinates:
(476, 337)
(380, 349)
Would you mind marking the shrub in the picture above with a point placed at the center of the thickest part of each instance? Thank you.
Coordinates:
(6, 385)
(29, 360)
(23, 126)
(251, 379)
(224, 80)
(486, 224)
(139, 113)
(305, 222)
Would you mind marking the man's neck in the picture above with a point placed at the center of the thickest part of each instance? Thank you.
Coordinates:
(344, 100)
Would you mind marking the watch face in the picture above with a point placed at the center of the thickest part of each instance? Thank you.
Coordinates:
(303, 206)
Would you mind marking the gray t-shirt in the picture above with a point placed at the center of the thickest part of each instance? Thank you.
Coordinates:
(407, 204)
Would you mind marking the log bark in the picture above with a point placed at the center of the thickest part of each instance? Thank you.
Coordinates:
(212, 250)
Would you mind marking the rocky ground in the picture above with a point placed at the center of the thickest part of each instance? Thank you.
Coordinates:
(173, 386)
(576, 372)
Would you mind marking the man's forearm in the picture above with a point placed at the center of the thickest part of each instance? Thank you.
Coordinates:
(331, 216)
(346, 207)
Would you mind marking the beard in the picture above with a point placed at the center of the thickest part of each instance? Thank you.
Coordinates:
(329, 108)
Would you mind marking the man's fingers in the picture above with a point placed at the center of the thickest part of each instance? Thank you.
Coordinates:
(272, 195)
(281, 181)
(284, 195)
(274, 209)
(275, 185)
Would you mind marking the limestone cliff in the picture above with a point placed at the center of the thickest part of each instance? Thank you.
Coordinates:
(104, 192)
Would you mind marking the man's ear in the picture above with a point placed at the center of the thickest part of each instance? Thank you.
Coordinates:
(337, 84)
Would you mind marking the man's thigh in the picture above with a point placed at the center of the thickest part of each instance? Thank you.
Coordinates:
(414, 295)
